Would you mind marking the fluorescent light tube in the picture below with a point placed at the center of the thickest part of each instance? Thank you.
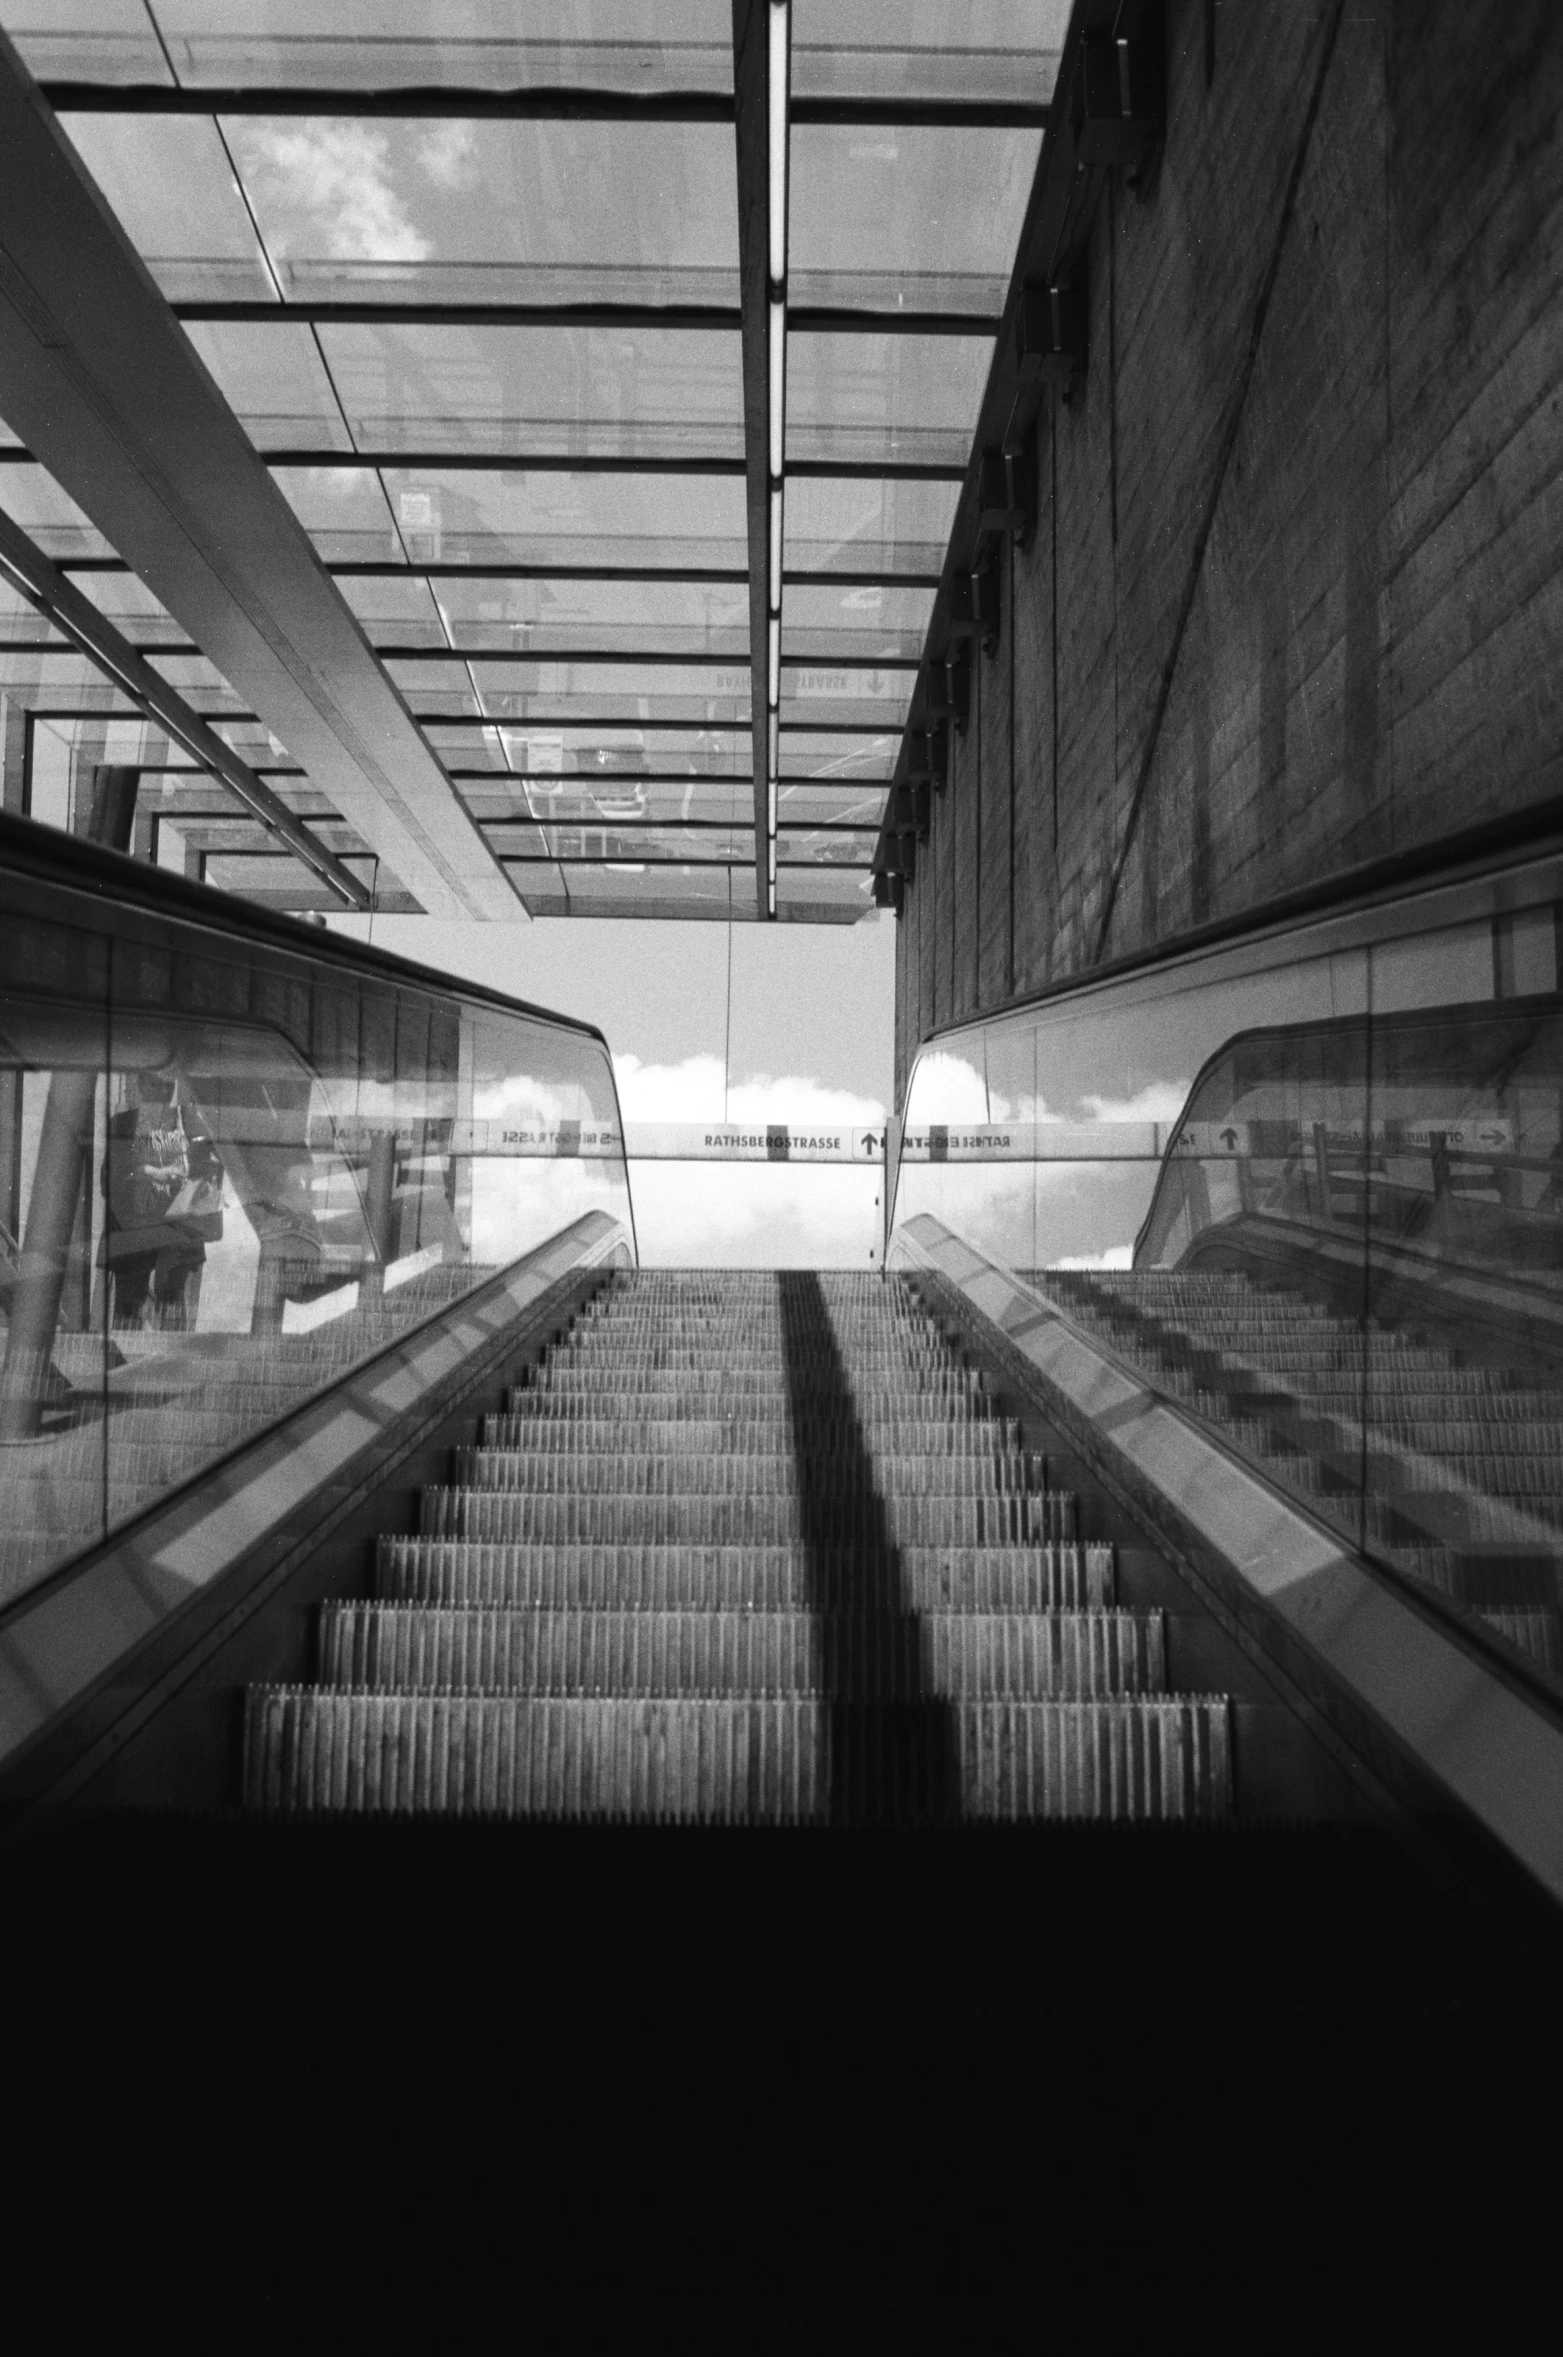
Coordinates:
(776, 549)
(773, 669)
(778, 383)
(778, 143)
(775, 744)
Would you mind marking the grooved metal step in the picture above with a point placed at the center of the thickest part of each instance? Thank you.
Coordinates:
(748, 1549)
(799, 1761)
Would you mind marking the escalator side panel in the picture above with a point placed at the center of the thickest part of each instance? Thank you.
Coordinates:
(1442, 1735)
(158, 1728)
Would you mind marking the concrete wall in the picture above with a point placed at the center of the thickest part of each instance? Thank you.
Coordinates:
(1295, 598)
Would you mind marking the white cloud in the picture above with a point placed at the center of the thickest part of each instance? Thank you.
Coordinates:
(323, 189)
(1162, 1100)
(692, 1091)
(749, 1214)
(448, 153)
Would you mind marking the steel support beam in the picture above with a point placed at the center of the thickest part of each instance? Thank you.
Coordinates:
(751, 82)
(98, 380)
(94, 635)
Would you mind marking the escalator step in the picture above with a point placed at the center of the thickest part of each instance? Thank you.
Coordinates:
(863, 1658)
(695, 1519)
(1067, 1577)
(731, 1761)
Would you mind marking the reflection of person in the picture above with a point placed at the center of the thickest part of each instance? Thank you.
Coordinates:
(162, 1181)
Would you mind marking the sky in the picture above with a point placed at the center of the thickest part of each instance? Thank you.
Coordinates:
(812, 1039)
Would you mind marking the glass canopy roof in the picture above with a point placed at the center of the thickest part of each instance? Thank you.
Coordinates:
(472, 279)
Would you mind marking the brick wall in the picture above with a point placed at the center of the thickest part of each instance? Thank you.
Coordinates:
(1295, 598)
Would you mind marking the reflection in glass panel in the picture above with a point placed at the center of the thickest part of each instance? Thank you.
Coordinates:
(827, 850)
(169, 180)
(129, 604)
(545, 518)
(860, 623)
(54, 675)
(603, 842)
(835, 804)
(714, 694)
(845, 697)
(837, 755)
(867, 526)
(344, 511)
(274, 381)
(395, 610)
(579, 801)
(607, 753)
(21, 622)
(625, 392)
(868, 398)
(912, 215)
(31, 497)
(675, 617)
(233, 1173)
(813, 896)
(633, 888)
(447, 210)
(971, 49)
(636, 45)
(1310, 1186)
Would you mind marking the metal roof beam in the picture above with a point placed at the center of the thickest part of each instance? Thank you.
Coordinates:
(98, 380)
(531, 104)
(29, 570)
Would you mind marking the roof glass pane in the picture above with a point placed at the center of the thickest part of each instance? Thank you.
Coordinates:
(594, 843)
(543, 517)
(31, 497)
(813, 896)
(21, 620)
(875, 397)
(87, 40)
(973, 49)
(274, 381)
(714, 802)
(343, 509)
(630, 392)
(199, 681)
(868, 526)
(395, 611)
(575, 693)
(838, 802)
(471, 44)
(675, 617)
(468, 211)
(130, 605)
(840, 754)
(633, 890)
(55, 676)
(665, 691)
(603, 753)
(916, 216)
(171, 183)
(808, 846)
(865, 622)
(844, 695)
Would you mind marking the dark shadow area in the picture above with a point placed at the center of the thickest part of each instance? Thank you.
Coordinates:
(894, 1758)
(688, 2068)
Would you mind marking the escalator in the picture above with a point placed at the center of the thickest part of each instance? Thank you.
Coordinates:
(700, 1762)
(750, 1550)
